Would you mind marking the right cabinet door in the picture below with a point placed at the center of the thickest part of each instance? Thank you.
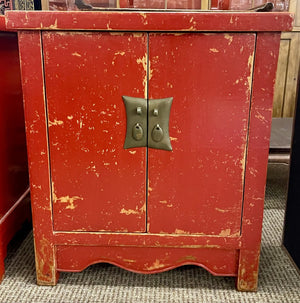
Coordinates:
(197, 188)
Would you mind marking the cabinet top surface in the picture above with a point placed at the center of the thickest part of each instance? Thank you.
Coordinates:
(183, 21)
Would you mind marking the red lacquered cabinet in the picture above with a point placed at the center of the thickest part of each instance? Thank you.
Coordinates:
(148, 137)
(14, 183)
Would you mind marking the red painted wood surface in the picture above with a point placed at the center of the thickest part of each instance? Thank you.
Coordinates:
(147, 239)
(14, 183)
(221, 262)
(96, 184)
(205, 199)
(198, 187)
(2, 23)
(150, 21)
(38, 155)
(257, 156)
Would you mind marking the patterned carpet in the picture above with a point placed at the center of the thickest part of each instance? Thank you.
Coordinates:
(279, 281)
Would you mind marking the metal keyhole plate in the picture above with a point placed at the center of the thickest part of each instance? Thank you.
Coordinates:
(151, 119)
(158, 123)
(136, 115)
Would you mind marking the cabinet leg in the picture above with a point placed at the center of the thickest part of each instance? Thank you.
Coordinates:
(45, 263)
(46, 274)
(47, 280)
(248, 270)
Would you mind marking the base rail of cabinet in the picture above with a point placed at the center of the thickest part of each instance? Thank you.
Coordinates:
(10, 223)
(147, 260)
(240, 263)
(146, 240)
(148, 254)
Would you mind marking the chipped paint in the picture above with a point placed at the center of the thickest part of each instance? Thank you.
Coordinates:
(117, 33)
(134, 211)
(65, 199)
(132, 152)
(44, 260)
(150, 72)
(225, 232)
(177, 34)
(53, 26)
(229, 38)
(187, 258)
(129, 260)
(214, 50)
(138, 35)
(108, 25)
(221, 210)
(144, 62)
(55, 122)
(253, 171)
(76, 54)
(181, 232)
(144, 17)
(129, 211)
(173, 139)
(260, 117)
(155, 265)
(250, 66)
(119, 53)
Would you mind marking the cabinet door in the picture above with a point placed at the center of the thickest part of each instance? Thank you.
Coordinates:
(198, 187)
(96, 184)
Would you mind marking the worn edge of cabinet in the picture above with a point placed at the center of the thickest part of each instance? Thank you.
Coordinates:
(257, 159)
(38, 156)
(150, 21)
(3, 25)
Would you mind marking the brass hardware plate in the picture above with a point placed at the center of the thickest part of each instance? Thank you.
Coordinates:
(158, 123)
(136, 113)
(147, 118)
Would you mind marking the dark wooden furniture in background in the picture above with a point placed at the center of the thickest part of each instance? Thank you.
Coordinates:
(280, 141)
(291, 234)
(14, 183)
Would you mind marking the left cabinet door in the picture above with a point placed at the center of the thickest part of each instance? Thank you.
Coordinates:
(97, 185)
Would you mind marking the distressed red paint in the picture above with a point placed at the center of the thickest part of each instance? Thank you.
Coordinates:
(204, 199)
